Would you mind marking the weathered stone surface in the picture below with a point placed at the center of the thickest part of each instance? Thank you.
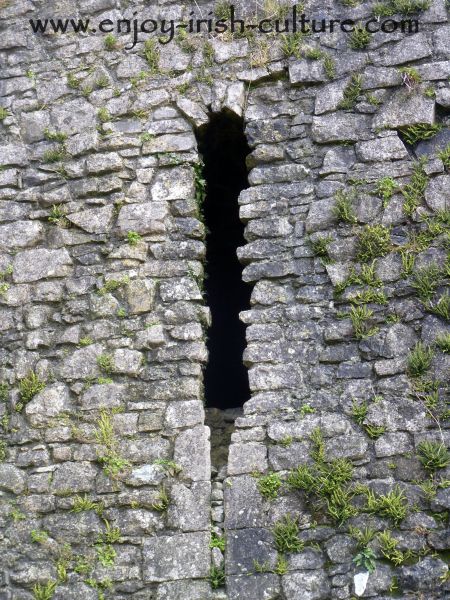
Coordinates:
(73, 477)
(340, 127)
(437, 193)
(192, 453)
(94, 220)
(307, 71)
(143, 218)
(48, 404)
(140, 295)
(246, 458)
(82, 363)
(33, 265)
(12, 478)
(103, 396)
(248, 587)
(405, 108)
(20, 234)
(181, 556)
(314, 585)
(382, 149)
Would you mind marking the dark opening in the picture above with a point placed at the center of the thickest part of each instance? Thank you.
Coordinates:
(224, 148)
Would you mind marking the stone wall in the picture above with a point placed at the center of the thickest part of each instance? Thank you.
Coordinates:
(105, 475)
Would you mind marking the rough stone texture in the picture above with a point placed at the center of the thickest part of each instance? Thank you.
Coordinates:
(115, 325)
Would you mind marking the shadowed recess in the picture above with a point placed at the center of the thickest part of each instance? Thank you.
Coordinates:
(224, 148)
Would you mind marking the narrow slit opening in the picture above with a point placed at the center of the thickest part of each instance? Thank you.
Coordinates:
(224, 148)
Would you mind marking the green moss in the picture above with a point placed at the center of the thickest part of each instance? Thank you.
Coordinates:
(133, 238)
(55, 136)
(3, 113)
(113, 463)
(373, 241)
(4, 391)
(55, 155)
(38, 537)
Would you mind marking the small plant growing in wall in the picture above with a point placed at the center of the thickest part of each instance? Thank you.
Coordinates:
(360, 317)
(161, 504)
(359, 38)
(443, 342)
(351, 92)
(388, 546)
(151, 54)
(44, 591)
(414, 192)
(217, 541)
(110, 42)
(269, 485)
(285, 534)
(422, 131)
(29, 386)
(133, 238)
(320, 245)
(433, 455)
(419, 359)
(217, 577)
(343, 208)
(108, 454)
(3, 113)
(385, 188)
(373, 241)
(393, 505)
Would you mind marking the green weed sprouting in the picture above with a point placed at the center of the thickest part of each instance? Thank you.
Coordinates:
(360, 317)
(216, 577)
(269, 485)
(433, 455)
(422, 131)
(359, 38)
(443, 342)
(351, 92)
(401, 7)
(419, 359)
(426, 280)
(108, 454)
(29, 386)
(388, 545)
(151, 54)
(414, 191)
(444, 155)
(217, 541)
(327, 481)
(373, 241)
(133, 238)
(343, 208)
(44, 591)
(366, 559)
(393, 505)
(285, 533)
(161, 504)
(320, 247)
(385, 188)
